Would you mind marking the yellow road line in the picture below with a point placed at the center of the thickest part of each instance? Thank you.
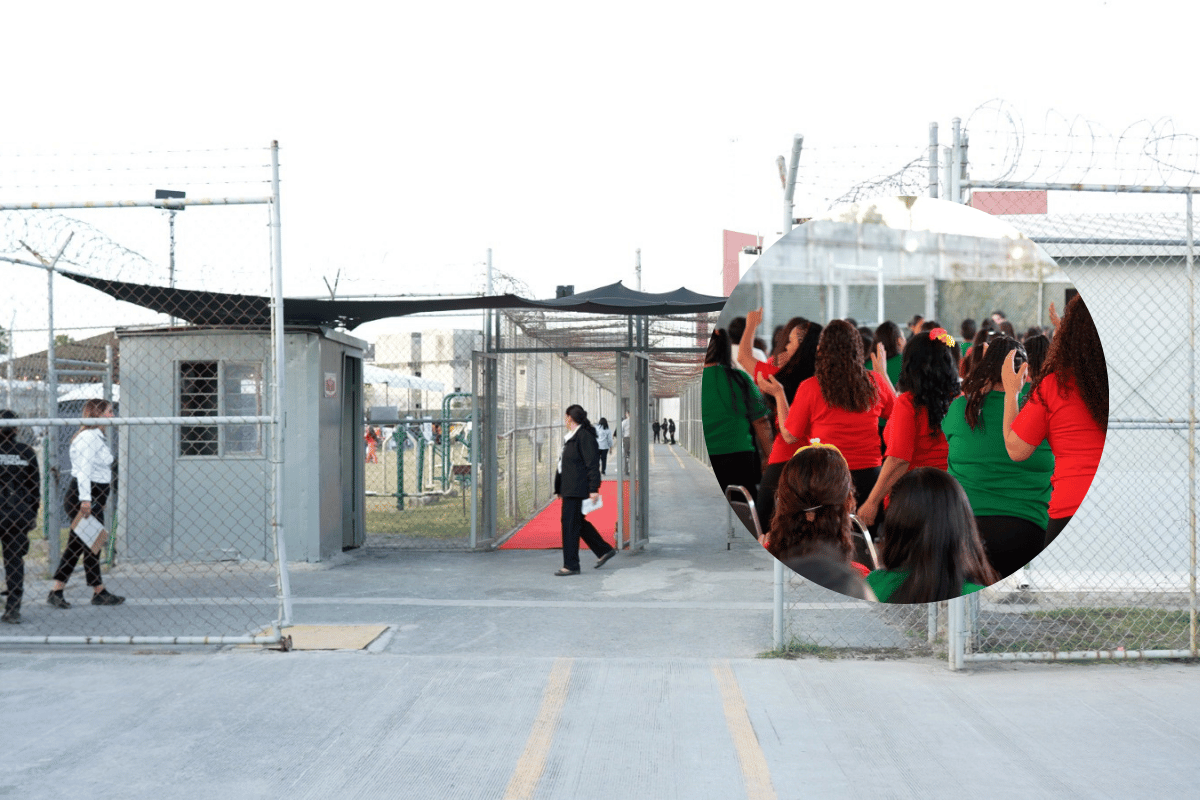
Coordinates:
(533, 761)
(755, 774)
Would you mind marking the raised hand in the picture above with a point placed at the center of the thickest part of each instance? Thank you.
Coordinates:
(1012, 378)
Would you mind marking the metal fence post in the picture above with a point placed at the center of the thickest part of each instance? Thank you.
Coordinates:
(1191, 427)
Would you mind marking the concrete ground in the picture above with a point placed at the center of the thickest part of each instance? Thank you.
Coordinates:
(639, 680)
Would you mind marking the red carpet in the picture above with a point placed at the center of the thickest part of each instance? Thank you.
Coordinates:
(544, 532)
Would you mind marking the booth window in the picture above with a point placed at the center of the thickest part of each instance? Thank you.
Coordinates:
(220, 388)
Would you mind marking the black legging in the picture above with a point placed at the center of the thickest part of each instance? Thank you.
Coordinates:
(1010, 542)
(75, 546)
(603, 460)
(1055, 528)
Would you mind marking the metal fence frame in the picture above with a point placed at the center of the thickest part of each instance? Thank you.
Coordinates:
(273, 421)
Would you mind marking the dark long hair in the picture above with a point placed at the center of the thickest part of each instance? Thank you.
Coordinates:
(580, 417)
(888, 333)
(719, 348)
(987, 374)
(719, 354)
(930, 372)
(975, 352)
(1036, 349)
(840, 374)
(930, 532)
(1076, 356)
(802, 365)
(815, 476)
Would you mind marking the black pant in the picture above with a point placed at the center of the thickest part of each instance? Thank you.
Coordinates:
(1055, 528)
(15, 544)
(1010, 542)
(864, 482)
(603, 460)
(738, 469)
(575, 526)
(75, 546)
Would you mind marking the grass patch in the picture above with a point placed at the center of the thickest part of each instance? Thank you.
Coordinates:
(798, 649)
(1069, 629)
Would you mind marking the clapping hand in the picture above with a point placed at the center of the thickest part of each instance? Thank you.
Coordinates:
(768, 385)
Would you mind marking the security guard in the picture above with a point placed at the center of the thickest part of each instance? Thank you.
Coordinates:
(20, 500)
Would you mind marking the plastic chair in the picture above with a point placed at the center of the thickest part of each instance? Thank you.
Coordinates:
(866, 536)
(745, 511)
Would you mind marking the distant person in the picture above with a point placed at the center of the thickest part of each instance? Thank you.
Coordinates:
(625, 439)
(998, 316)
(889, 335)
(372, 443)
(577, 479)
(914, 324)
(931, 549)
(20, 500)
(1037, 347)
(968, 331)
(656, 427)
(666, 431)
(929, 325)
(604, 442)
(671, 427)
(87, 495)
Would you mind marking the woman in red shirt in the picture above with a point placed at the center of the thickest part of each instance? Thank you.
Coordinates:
(1068, 406)
(840, 405)
(913, 436)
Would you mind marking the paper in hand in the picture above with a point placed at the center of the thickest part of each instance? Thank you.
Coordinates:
(89, 529)
(590, 505)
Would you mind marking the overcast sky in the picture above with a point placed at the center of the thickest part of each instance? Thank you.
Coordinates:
(415, 136)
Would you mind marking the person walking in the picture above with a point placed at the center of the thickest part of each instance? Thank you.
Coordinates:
(578, 478)
(671, 427)
(604, 442)
(20, 499)
(656, 427)
(87, 494)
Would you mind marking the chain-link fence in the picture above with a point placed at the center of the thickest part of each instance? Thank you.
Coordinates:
(1120, 582)
(163, 425)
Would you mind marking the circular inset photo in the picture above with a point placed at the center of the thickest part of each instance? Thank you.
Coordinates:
(905, 400)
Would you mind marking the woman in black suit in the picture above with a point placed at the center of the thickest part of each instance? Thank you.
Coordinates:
(579, 478)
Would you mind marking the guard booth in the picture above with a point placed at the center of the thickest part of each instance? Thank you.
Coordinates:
(203, 492)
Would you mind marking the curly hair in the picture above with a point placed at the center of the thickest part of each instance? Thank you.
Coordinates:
(986, 374)
(839, 370)
(888, 333)
(930, 373)
(1077, 357)
(930, 533)
(815, 476)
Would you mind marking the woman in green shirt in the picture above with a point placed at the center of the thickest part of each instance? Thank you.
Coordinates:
(1010, 498)
(931, 550)
(730, 407)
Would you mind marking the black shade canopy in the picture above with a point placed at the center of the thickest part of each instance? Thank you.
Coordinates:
(221, 309)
